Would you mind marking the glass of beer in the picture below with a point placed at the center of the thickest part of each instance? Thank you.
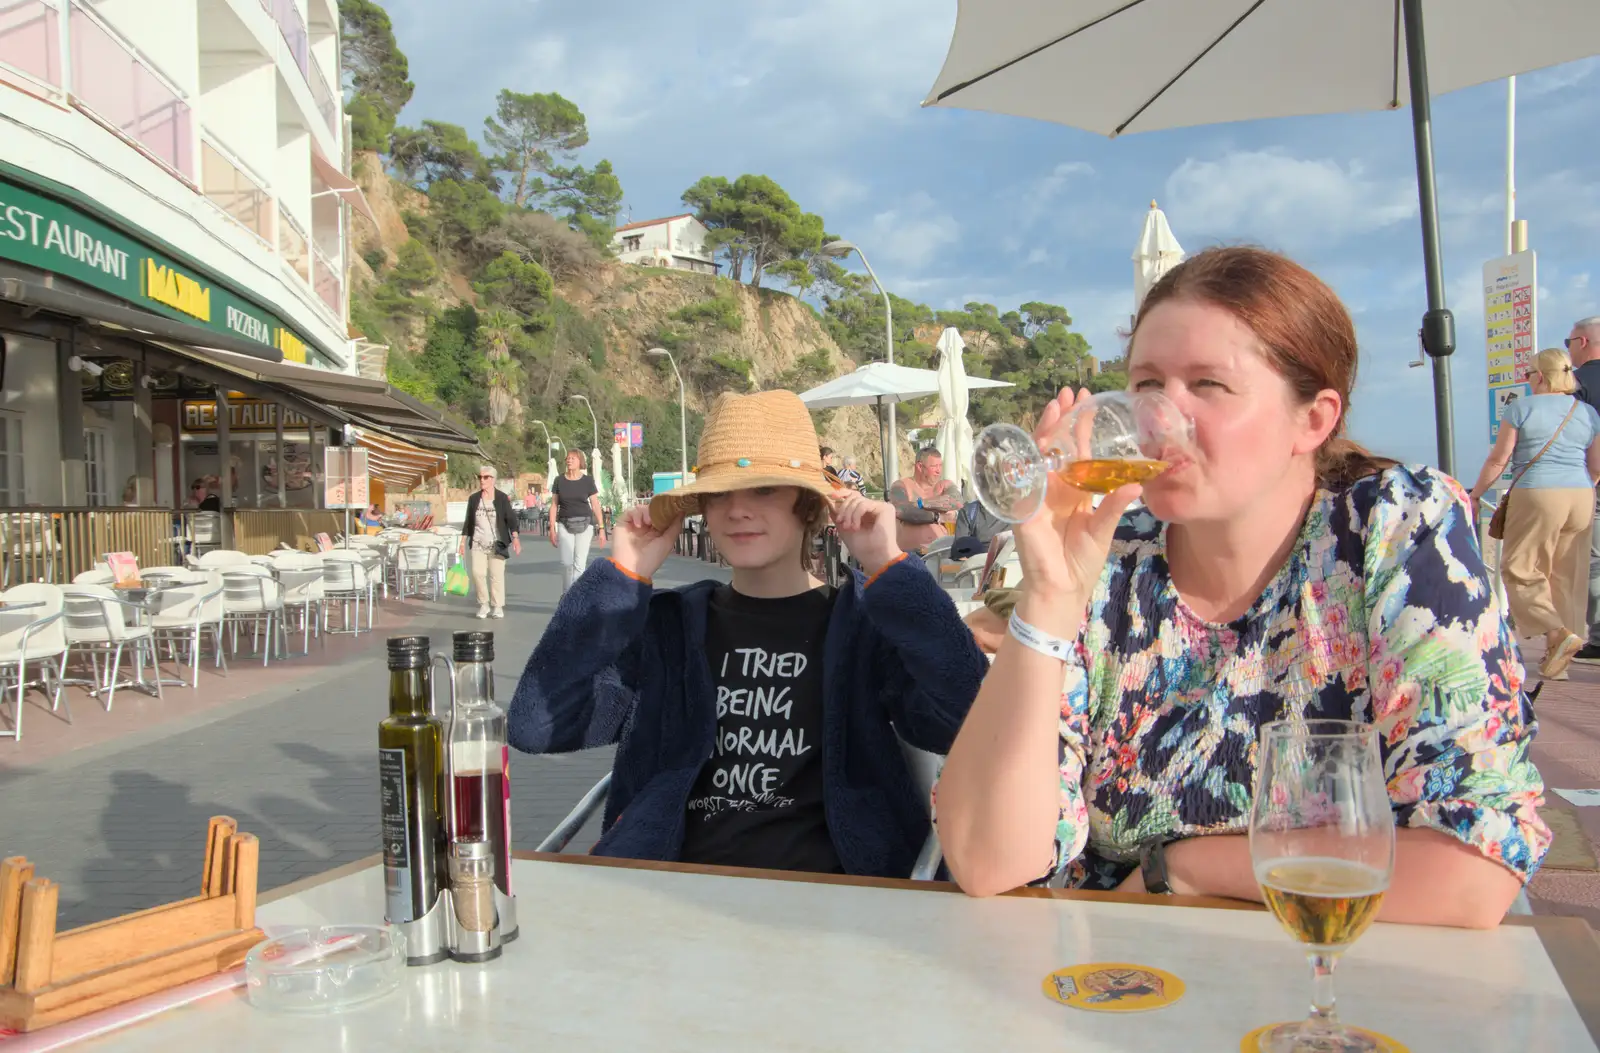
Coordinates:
(1105, 441)
(1322, 845)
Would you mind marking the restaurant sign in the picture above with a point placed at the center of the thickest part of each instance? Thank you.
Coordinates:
(243, 415)
(44, 233)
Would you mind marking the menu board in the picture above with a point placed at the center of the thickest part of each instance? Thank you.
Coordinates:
(344, 479)
(1510, 318)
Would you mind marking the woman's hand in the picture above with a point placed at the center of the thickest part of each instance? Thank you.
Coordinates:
(1062, 555)
(866, 529)
(638, 546)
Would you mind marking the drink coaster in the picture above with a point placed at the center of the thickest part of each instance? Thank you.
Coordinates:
(1113, 987)
(1251, 1043)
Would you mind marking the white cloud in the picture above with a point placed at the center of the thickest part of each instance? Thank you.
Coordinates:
(914, 235)
(1286, 202)
(1545, 82)
(1048, 187)
(1037, 256)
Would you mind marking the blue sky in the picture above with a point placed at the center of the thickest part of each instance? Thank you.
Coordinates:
(954, 206)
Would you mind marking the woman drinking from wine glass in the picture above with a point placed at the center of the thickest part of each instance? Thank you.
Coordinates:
(1277, 571)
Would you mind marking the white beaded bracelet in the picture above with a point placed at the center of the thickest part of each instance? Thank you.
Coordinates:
(1039, 640)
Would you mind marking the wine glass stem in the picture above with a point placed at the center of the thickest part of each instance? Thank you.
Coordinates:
(1322, 1001)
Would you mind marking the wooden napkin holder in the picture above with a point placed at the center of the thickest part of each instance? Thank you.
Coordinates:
(48, 976)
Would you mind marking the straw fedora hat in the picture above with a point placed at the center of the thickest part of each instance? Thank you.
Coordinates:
(765, 439)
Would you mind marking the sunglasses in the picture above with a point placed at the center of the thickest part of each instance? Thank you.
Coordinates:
(485, 477)
(1569, 341)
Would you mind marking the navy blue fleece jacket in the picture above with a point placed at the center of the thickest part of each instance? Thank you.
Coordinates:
(623, 663)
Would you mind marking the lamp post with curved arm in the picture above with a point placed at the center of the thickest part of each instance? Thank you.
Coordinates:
(683, 412)
(891, 456)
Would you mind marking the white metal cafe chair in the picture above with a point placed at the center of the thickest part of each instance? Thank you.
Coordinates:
(27, 546)
(923, 766)
(417, 569)
(301, 574)
(101, 625)
(371, 562)
(99, 574)
(218, 558)
(191, 606)
(345, 582)
(32, 635)
(205, 532)
(251, 594)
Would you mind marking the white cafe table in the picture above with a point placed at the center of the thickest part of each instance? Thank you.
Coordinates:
(618, 956)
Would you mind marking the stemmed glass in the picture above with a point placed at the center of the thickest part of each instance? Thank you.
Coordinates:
(1105, 441)
(1322, 845)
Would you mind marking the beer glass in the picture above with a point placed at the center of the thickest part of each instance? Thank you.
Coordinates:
(1322, 845)
(1105, 441)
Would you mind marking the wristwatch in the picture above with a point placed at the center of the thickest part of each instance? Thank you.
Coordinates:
(1153, 865)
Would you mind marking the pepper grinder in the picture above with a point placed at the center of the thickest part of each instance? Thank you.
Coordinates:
(474, 929)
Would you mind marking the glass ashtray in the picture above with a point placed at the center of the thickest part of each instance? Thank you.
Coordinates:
(325, 969)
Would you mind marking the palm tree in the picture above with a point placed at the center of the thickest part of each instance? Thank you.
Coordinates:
(497, 334)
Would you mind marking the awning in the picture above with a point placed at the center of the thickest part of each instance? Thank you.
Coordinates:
(398, 463)
(368, 401)
(341, 185)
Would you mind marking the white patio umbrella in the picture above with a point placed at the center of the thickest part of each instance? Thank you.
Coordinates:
(619, 482)
(879, 384)
(1156, 254)
(1119, 66)
(955, 431)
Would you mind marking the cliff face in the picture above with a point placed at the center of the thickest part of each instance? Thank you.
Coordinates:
(724, 335)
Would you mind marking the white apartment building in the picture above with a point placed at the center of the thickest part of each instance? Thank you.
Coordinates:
(675, 241)
(175, 217)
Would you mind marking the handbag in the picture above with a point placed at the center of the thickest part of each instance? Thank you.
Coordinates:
(1497, 522)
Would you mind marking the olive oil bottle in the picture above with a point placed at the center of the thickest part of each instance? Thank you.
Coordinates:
(411, 793)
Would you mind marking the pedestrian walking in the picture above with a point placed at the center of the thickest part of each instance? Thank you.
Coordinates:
(491, 533)
(574, 518)
(1552, 439)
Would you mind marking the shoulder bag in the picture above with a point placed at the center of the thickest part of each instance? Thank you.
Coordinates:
(1497, 523)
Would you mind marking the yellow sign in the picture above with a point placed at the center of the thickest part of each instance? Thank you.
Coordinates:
(293, 348)
(243, 415)
(182, 293)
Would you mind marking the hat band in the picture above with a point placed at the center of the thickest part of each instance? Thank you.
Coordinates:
(763, 464)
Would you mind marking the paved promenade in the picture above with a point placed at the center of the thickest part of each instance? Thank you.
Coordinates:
(114, 806)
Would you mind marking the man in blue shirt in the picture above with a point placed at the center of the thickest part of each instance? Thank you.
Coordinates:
(1583, 344)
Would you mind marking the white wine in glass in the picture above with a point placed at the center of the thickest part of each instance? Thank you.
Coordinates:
(1105, 441)
(1322, 844)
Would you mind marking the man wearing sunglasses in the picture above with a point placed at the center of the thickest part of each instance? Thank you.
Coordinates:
(1583, 345)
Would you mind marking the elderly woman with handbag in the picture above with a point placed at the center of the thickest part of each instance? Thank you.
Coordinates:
(1553, 442)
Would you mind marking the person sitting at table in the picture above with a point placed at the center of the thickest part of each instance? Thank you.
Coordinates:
(203, 497)
(755, 721)
(925, 502)
(1279, 572)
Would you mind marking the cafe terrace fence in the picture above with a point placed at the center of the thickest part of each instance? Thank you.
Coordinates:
(56, 544)
(258, 531)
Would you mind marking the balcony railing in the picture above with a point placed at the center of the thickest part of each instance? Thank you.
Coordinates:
(293, 28)
(327, 105)
(30, 41)
(115, 84)
(231, 189)
(293, 247)
(328, 282)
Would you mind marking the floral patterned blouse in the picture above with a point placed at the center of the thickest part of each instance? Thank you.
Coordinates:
(1382, 613)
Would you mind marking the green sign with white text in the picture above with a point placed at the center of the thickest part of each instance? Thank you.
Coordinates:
(44, 233)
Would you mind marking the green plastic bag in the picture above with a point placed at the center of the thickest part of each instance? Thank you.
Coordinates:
(456, 581)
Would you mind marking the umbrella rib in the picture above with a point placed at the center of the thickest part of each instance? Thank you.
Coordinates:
(1151, 101)
(1394, 90)
(943, 95)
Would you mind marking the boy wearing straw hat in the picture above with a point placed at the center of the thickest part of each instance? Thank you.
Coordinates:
(756, 722)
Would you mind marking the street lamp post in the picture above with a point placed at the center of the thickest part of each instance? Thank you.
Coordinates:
(683, 411)
(891, 456)
(592, 418)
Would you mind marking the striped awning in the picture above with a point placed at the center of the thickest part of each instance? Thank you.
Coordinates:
(398, 463)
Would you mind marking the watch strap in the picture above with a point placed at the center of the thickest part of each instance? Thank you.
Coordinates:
(1153, 865)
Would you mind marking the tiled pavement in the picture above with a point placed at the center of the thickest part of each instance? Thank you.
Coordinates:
(115, 808)
(289, 753)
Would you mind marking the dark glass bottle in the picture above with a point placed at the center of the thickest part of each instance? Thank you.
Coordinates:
(411, 780)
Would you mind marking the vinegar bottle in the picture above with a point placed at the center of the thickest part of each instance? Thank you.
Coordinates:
(480, 765)
(411, 794)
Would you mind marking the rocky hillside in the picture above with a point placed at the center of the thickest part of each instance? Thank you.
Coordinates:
(726, 336)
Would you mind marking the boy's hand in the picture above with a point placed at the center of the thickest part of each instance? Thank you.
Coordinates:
(638, 546)
(867, 529)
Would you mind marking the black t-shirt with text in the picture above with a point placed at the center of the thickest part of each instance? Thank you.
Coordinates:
(572, 497)
(758, 800)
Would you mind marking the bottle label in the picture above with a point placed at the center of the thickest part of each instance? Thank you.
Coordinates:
(396, 837)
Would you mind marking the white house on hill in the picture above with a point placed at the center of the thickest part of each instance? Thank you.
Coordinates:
(676, 241)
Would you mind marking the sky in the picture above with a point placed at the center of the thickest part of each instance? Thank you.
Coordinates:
(954, 206)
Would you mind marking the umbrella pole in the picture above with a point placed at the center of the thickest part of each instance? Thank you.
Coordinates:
(1438, 326)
